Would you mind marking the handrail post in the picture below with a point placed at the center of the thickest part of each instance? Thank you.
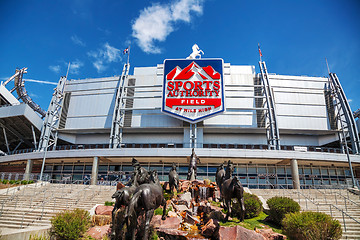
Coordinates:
(344, 220)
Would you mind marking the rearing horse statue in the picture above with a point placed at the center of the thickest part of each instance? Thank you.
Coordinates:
(194, 159)
(196, 52)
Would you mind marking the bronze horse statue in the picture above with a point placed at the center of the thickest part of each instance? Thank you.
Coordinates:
(194, 159)
(173, 178)
(230, 187)
(220, 175)
(123, 196)
(146, 199)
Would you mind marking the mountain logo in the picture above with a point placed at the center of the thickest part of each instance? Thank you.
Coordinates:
(193, 89)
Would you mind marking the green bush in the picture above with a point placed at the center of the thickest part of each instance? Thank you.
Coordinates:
(12, 181)
(38, 237)
(5, 181)
(107, 203)
(279, 206)
(30, 181)
(70, 224)
(311, 226)
(24, 182)
(253, 206)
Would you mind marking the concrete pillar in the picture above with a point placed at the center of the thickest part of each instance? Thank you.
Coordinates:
(95, 171)
(28, 169)
(295, 174)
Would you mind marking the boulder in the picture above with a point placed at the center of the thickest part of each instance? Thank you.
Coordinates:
(98, 232)
(103, 210)
(210, 228)
(238, 232)
(190, 219)
(217, 215)
(184, 185)
(168, 223)
(269, 234)
(171, 234)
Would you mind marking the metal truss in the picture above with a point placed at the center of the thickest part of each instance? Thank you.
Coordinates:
(271, 125)
(346, 125)
(119, 110)
(49, 132)
(19, 86)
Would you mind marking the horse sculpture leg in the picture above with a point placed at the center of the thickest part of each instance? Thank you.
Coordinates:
(164, 210)
(148, 216)
(228, 208)
(242, 206)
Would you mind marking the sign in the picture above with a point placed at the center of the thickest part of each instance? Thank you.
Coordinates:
(300, 148)
(193, 89)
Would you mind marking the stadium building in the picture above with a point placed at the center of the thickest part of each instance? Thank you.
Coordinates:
(293, 131)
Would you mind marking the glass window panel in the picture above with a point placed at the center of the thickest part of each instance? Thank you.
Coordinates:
(57, 176)
(78, 168)
(212, 169)
(241, 169)
(347, 172)
(201, 169)
(301, 170)
(341, 172)
(103, 168)
(308, 182)
(262, 180)
(324, 171)
(281, 170)
(57, 168)
(157, 168)
(77, 177)
(261, 169)
(332, 172)
(288, 170)
(271, 170)
(251, 170)
(281, 181)
(48, 167)
(88, 167)
(307, 170)
(68, 167)
(252, 180)
(316, 171)
(334, 181)
(128, 168)
(111, 168)
(183, 169)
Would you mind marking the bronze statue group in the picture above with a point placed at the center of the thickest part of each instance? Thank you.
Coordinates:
(136, 202)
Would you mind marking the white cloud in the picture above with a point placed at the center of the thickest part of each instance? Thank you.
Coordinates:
(77, 41)
(156, 22)
(105, 55)
(350, 100)
(75, 66)
(55, 68)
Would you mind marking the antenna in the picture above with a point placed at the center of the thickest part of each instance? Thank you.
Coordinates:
(327, 65)
(68, 70)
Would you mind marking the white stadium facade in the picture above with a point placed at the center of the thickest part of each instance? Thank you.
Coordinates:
(278, 130)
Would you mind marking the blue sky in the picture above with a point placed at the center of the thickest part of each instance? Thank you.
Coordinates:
(295, 37)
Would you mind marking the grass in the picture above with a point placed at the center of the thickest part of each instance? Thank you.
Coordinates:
(251, 223)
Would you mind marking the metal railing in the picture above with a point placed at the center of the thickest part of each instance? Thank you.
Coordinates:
(176, 145)
(331, 206)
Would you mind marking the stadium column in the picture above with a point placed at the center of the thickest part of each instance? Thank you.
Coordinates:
(28, 169)
(95, 171)
(295, 174)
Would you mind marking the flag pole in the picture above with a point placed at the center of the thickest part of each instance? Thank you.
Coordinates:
(128, 55)
(260, 54)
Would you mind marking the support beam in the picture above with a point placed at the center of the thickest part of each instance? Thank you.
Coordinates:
(28, 169)
(6, 141)
(95, 171)
(295, 174)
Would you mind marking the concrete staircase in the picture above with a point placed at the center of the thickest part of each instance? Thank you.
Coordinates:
(338, 203)
(35, 204)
